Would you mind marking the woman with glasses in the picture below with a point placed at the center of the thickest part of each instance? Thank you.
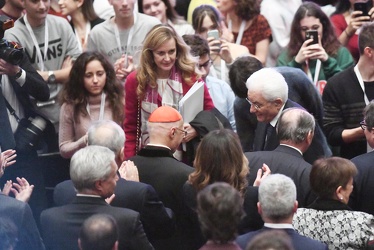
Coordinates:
(165, 74)
(321, 57)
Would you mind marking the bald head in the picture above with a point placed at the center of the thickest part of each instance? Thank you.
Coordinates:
(295, 125)
(165, 127)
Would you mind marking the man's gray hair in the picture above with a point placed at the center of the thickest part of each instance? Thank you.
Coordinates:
(90, 164)
(295, 124)
(270, 83)
(108, 134)
(277, 195)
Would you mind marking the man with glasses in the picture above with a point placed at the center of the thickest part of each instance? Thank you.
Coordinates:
(362, 195)
(268, 96)
(345, 96)
(157, 167)
(222, 95)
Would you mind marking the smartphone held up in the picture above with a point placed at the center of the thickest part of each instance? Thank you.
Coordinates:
(312, 34)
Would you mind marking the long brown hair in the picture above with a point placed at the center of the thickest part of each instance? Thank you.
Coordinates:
(75, 93)
(219, 157)
(329, 41)
(147, 71)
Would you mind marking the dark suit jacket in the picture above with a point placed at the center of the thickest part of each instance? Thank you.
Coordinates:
(317, 149)
(61, 225)
(362, 195)
(158, 167)
(288, 161)
(20, 213)
(137, 196)
(299, 242)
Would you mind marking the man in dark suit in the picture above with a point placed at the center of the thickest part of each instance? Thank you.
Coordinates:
(277, 205)
(158, 167)
(295, 129)
(362, 194)
(268, 96)
(134, 195)
(93, 171)
(18, 83)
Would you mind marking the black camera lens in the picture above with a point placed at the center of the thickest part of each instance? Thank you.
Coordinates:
(13, 56)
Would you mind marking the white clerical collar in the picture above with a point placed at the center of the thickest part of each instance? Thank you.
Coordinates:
(89, 195)
(279, 226)
(158, 145)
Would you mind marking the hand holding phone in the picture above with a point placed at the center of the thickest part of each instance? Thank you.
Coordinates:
(312, 34)
(215, 34)
(363, 7)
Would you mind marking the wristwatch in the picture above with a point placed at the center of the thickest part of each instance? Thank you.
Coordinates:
(51, 77)
(18, 74)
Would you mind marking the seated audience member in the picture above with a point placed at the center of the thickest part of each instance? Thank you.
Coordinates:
(137, 196)
(19, 213)
(93, 171)
(332, 180)
(219, 208)
(300, 90)
(271, 240)
(92, 93)
(219, 158)
(163, 11)
(247, 25)
(347, 22)
(220, 91)
(279, 15)
(222, 49)
(268, 96)
(321, 60)
(277, 204)
(295, 130)
(346, 95)
(361, 198)
(82, 19)
(99, 232)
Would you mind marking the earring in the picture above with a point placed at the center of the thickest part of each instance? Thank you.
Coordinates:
(341, 198)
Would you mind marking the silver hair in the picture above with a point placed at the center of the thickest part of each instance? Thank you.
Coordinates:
(295, 124)
(270, 83)
(108, 134)
(90, 164)
(277, 195)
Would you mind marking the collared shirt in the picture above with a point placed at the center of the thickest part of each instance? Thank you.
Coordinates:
(89, 195)
(158, 145)
(273, 122)
(298, 150)
(279, 226)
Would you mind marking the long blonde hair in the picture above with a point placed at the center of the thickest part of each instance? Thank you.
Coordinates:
(147, 71)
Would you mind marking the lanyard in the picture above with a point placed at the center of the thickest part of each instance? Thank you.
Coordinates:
(129, 38)
(223, 71)
(38, 52)
(102, 107)
(359, 78)
(241, 30)
(316, 72)
(80, 44)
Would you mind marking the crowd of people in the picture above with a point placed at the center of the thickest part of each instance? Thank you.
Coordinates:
(242, 127)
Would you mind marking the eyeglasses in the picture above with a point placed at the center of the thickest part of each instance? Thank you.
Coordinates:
(364, 126)
(184, 131)
(255, 105)
(204, 65)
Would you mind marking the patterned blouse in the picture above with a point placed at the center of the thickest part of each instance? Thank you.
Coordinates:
(335, 224)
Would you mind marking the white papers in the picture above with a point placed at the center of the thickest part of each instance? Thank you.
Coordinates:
(193, 102)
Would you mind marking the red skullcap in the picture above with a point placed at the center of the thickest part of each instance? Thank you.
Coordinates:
(165, 114)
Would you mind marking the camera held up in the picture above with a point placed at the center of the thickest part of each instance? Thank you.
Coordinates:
(8, 51)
